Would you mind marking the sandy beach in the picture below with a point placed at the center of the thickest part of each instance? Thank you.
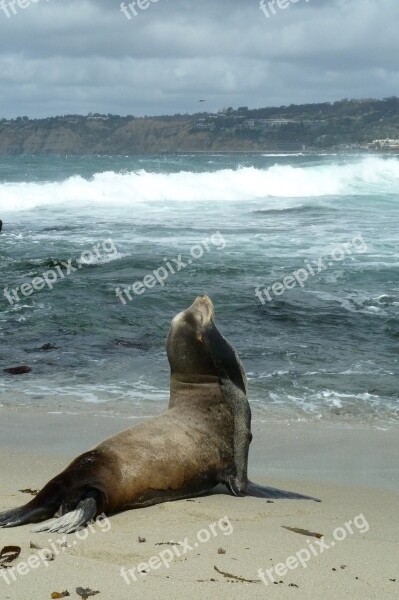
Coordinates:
(224, 545)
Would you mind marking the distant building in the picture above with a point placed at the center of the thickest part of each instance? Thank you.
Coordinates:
(387, 144)
(202, 125)
(267, 123)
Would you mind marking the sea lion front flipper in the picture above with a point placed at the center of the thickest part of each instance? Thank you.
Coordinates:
(261, 491)
(234, 485)
(234, 387)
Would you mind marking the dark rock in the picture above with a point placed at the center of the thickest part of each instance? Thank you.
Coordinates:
(48, 348)
(22, 370)
(45, 348)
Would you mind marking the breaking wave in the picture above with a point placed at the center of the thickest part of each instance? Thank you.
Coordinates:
(367, 176)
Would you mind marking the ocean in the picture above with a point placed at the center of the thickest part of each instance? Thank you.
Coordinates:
(299, 253)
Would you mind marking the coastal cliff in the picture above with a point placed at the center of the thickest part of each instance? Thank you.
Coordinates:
(345, 124)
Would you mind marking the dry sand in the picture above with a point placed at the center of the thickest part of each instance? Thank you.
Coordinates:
(353, 471)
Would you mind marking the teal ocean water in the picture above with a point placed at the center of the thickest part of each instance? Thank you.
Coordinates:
(300, 255)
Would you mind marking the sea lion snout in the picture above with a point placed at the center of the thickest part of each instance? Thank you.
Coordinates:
(199, 314)
(203, 301)
(204, 306)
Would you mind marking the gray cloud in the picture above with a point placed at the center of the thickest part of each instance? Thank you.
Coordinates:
(60, 56)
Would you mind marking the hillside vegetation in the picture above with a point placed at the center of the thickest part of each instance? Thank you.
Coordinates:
(339, 125)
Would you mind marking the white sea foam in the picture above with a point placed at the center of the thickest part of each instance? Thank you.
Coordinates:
(370, 175)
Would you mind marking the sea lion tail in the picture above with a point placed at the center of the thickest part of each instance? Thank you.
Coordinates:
(260, 491)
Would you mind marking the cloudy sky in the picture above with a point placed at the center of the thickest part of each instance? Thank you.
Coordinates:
(76, 56)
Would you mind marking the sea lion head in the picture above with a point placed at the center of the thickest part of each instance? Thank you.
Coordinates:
(187, 353)
(196, 348)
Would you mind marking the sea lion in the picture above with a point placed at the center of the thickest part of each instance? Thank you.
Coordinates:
(201, 441)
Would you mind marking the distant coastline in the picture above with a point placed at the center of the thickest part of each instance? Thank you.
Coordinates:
(346, 125)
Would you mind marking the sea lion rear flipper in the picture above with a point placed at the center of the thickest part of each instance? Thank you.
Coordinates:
(73, 520)
(75, 504)
(43, 506)
(261, 491)
(23, 515)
